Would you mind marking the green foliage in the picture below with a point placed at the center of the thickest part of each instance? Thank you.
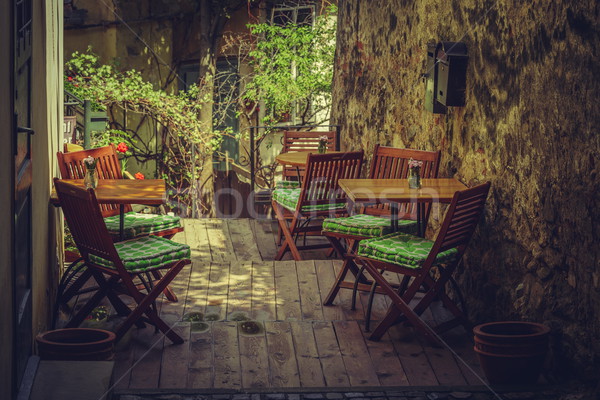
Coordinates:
(293, 67)
(185, 143)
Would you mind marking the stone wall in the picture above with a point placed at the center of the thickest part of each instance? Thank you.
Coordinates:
(530, 126)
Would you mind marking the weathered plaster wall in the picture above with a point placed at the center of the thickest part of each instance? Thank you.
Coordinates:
(530, 126)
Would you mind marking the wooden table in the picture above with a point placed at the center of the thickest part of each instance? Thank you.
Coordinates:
(297, 158)
(396, 191)
(123, 191)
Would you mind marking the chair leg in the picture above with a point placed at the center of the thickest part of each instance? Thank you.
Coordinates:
(398, 308)
(169, 294)
(288, 243)
(348, 265)
(103, 289)
(144, 306)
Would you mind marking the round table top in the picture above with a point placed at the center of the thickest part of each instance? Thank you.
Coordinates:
(297, 158)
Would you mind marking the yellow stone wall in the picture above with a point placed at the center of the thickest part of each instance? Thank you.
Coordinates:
(530, 126)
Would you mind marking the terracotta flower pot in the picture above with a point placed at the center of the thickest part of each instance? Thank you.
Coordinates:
(76, 344)
(511, 352)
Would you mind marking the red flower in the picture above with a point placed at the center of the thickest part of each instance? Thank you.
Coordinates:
(122, 147)
(139, 175)
(69, 78)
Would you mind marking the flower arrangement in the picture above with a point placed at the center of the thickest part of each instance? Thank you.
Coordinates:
(90, 162)
(415, 164)
(90, 180)
(323, 143)
(414, 173)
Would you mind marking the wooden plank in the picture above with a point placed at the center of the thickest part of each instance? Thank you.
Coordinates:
(226, 356)
(123, 362)
(412, 356)
(385, 361)
(334, 371)
(218, 287)
(443, 363)
(196, 236)
(264, 234)
(357, 360)
(309, 366)
(197, 294)
(175, 358)
(310, 300)
(254, 360)
(201, 371)
(461, 343)
(221, 247)
(326, 278)
(282, 358)
(263, 291)
(147, 349)
(287, 292)
(243, 241)
(240, 288)
(172, 312)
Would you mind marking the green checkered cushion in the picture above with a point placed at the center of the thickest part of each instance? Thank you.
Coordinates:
(403, 249)
(138, 224)
(146, 253)
(367, 225)
(287, 184)
(288, 198)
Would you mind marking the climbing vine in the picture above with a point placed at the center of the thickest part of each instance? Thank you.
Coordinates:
(184, 144)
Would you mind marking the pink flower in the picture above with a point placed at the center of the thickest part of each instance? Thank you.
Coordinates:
(122, 147)
(90, 162)
(139, 175)
(415, 163)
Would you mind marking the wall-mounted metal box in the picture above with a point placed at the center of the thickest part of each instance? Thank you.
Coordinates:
(452, 73)
(446, 76)
(430, 75)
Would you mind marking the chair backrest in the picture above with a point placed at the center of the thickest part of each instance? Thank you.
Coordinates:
(392, 163)
(304, 141)
(108, 167)
(323, 171)
(460, 221)
(71, 147)
(86, 223)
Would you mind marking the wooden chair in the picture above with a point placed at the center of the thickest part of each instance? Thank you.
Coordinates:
(136, 224)
(70, 147)
(108, 167)
(415, 257)
(304, 141)
(120, 266)
(319, 196)
(374, 220)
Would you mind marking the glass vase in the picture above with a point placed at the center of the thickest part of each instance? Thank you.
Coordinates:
(414, 178)
(322, 148)
(90, 180)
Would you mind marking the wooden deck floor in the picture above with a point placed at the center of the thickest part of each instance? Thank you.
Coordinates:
(298, 342)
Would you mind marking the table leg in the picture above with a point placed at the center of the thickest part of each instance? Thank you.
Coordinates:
(122, 222)
(421, 219)
(394, 216)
